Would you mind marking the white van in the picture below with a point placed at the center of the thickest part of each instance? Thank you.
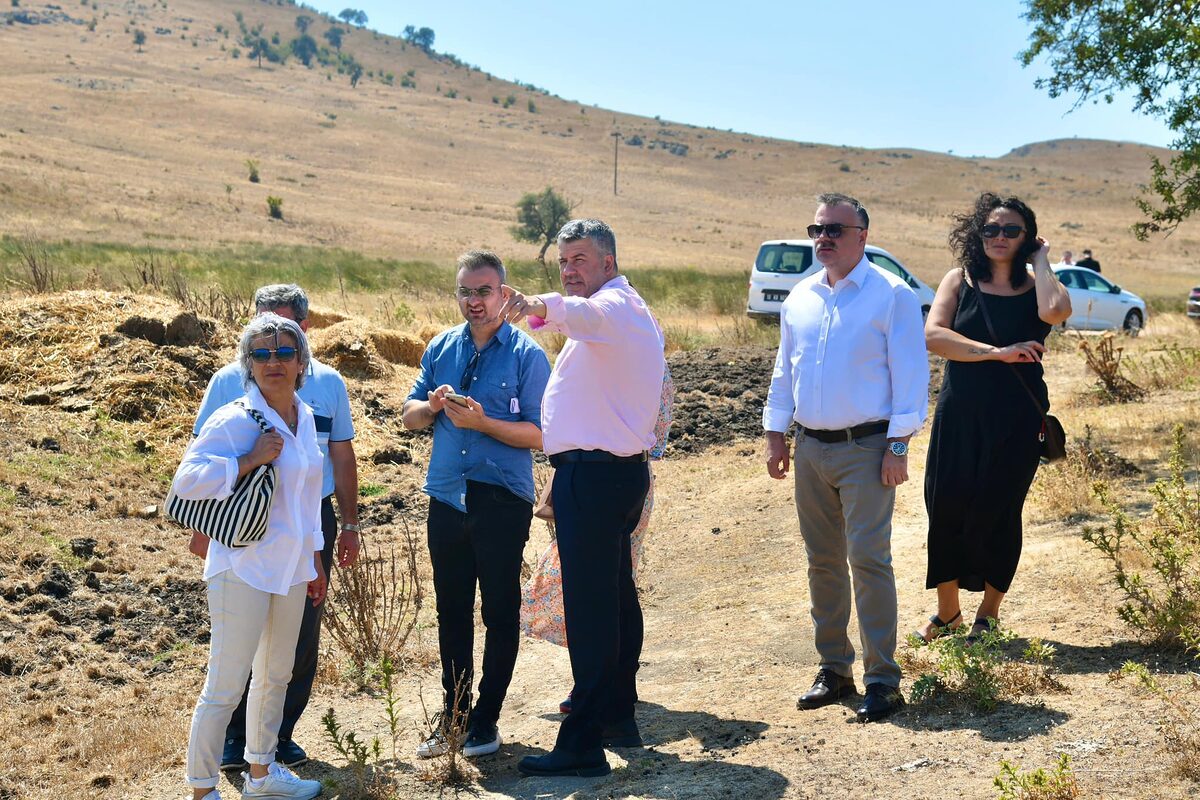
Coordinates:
(781, 263)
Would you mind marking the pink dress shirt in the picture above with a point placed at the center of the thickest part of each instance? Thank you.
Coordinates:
(603, 393)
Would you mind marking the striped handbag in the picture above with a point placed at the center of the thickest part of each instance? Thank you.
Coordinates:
(238, 520)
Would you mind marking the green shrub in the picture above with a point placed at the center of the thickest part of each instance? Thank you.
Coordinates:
(1059, 784)
(532, 107)
(275, 207)
(978, 674)
(1162, 603)
(252, 167)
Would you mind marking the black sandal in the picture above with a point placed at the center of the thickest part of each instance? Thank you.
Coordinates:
(982, 625)
(939, 628)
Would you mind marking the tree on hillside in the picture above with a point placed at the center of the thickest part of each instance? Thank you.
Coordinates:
(540, 215)
(334, 37)
(304, 48)
(1097, 48)
(353, 16)
(302, 23)
(420, 37)
(139, 39)
(356, 72)
(259, 47)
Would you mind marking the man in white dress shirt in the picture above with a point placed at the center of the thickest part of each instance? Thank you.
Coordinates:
(853, 375)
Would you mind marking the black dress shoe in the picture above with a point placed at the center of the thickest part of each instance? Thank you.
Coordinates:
(827, 688)
(590, 764)
(880, 701)
(621, 734)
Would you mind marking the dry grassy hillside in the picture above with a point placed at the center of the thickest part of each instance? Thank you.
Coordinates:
(100, 141)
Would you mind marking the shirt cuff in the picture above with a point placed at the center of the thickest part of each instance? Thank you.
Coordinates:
(902, 425)
(777, 419)
(556, 311)
(231, 474)
(317, 540)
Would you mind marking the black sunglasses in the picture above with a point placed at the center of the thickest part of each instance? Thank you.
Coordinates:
(1009, 231)
(832, 230)
(464, 384)
(262, 355)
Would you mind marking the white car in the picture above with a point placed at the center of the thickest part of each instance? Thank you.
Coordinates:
(1098, 304)
(781, 263)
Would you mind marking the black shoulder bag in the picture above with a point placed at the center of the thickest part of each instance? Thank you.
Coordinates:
(1052, 436)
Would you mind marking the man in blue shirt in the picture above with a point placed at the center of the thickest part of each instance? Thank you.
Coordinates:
(480, 386)
(324, 391)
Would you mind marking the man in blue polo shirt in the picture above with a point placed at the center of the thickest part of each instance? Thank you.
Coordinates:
(324, 391)
(480, 386)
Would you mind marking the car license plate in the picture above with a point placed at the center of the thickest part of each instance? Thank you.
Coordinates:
(775, 295)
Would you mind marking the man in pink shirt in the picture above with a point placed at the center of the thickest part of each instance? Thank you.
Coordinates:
(598, 418)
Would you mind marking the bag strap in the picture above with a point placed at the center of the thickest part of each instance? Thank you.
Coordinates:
(265, 426)
(987, 318)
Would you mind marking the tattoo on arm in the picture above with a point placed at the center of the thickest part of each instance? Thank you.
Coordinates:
(977, 351)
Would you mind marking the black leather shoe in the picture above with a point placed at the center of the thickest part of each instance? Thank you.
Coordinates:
(827, 688)
(590, 764)
(621, 734)
(881, 700)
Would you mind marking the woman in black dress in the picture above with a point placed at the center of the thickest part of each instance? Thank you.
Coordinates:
(984, 447)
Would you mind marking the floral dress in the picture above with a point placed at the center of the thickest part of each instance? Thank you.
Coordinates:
(541, 596)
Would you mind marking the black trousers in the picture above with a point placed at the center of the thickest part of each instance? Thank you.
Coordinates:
(596, 508)
(484, 545)
(307, 646)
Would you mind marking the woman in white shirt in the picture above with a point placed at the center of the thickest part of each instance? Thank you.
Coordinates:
(256, 594)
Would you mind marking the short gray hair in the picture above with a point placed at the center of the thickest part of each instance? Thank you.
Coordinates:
(596, 230)
(269, 324)
(839, 199)
(279, 295)
(482, 259)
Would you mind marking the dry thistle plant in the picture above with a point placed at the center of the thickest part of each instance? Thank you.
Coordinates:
(373, 606)
(1104, 359)
(1181, 732)
(450, 768)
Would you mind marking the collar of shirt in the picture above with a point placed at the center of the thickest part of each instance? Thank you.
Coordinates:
(501, 335)
(855, 276)
(259, 404)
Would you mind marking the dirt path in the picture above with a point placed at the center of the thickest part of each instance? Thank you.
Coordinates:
(728, 649)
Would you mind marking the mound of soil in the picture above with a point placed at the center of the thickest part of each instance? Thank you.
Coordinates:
(719, 395)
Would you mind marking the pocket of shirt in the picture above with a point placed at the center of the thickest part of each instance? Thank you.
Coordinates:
(501, 400)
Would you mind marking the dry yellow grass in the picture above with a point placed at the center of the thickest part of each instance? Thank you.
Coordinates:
(100, 142)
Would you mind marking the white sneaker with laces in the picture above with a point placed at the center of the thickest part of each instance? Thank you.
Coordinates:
(279, 784)
(436, 745)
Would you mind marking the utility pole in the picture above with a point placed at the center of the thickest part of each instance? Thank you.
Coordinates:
(616, 140)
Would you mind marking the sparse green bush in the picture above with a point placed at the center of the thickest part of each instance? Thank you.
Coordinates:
(252, 167)
(532, 107)
(275, 207)
(407, 83)
(1162, 604)
(452, 93)
(510, 100)
(139, 38)
(1058, 784)
(978, 673)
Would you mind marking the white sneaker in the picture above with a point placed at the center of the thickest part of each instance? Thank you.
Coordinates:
(213, 795)
(436, 745)
(280, 784)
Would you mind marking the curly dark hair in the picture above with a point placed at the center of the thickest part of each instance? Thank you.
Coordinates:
(966, 239)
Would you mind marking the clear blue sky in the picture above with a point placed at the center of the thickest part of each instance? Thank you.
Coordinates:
(940, 75)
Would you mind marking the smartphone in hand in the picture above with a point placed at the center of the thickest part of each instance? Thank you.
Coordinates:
(457, 399)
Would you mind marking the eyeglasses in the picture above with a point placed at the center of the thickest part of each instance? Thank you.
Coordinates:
(464, 383)
(1009, 231)
(262, 355)
(832, 230)
(483, 292)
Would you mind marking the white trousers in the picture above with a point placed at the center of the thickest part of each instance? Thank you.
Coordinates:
(250, 629)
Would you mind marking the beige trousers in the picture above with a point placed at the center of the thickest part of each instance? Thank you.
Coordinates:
(845, 516)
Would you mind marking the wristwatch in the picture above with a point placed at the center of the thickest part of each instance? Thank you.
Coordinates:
(899, 449)
(346, 526)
